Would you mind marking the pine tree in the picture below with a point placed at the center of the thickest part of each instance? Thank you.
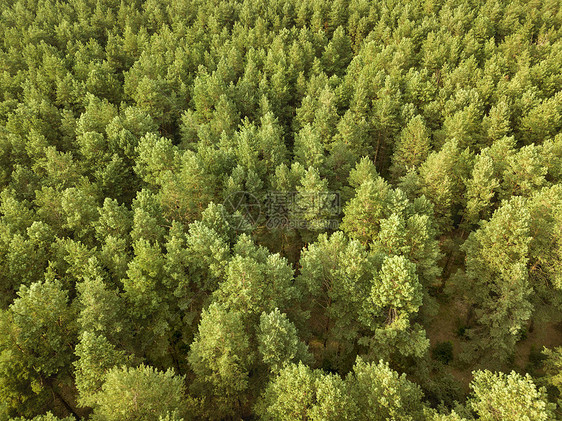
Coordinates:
(545, 250)
(309, 149)
(481, 189)
(207, 250)
(389, 224)
(497, 122)
(337, 54)
(256, 281)
(96, 356)
(497, 283)
(412, 148)
(553, 368)
(148, 300)
(36, 343)
(278, 342)
(313, 204)
(396, 296)
(113, 229)
(141, 393)
(335, 277)
(44, 327)
(156, 155)
(220, 356)
(148, 223)
(363, 213)
(500, 396)
(299, 392)
(102, 310)
(186, 193)
(380, 393)
(441, 178)
(525, 172)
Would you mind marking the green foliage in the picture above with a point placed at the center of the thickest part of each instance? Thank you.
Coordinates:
(43, 327)
(497, 280)
(96, 356)
(443, 352)
(369, 392)
(256, 281)
(220, 357)
(337, 274)
(47, 417)
(125, 125)
(278, 342)
(141, 393)
(441, 178)
(299, 392)
(101, 310)
(390, 223)
(499, 396)
(381, 393)
(413, 147)
(553, 367)
(38, 333)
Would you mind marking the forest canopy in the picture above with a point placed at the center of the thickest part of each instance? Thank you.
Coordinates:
(280, 210)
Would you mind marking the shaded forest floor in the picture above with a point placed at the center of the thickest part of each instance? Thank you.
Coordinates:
(447, 326)
(543, 334)
(450, 321)
(444, 328)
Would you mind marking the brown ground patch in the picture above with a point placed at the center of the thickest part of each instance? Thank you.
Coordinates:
(544, 334)
(443, 328)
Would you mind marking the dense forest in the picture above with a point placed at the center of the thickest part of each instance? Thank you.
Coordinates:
(281, 210)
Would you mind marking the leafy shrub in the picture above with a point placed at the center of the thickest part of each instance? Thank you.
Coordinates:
(443, 352)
